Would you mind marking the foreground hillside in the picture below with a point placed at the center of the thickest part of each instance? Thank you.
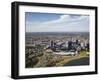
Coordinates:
(52, 60)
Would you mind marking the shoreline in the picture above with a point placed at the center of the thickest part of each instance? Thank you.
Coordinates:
(73, 59)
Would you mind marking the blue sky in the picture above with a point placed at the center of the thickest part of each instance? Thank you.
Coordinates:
(50, 22)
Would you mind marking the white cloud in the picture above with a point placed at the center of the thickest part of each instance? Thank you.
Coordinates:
(65, 23)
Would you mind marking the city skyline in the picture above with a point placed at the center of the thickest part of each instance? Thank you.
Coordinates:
(50, 22)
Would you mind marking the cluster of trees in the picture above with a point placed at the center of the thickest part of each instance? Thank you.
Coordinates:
(37, 57)
(49, 60)
(32, 54)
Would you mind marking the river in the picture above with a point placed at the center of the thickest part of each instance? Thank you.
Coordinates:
(78, 62)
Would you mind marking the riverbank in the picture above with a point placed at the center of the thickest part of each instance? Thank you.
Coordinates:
(74, 60)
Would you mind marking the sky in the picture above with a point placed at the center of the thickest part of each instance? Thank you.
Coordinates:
(51, 22)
